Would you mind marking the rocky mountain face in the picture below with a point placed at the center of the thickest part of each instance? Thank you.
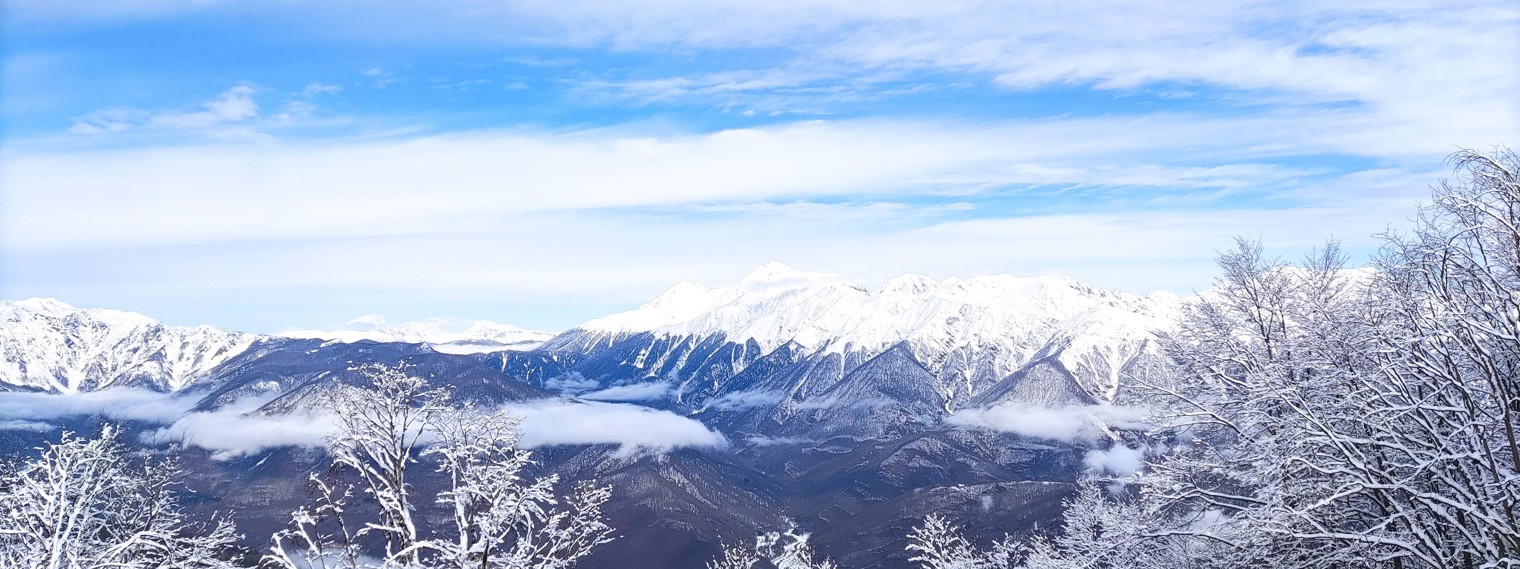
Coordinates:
(837, 400)
(793, 354)
(50, 346)
(46, 345)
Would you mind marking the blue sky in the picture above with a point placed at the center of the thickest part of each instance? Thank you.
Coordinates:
(276, 165)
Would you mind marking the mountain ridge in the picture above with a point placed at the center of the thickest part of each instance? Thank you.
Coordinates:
(48, 345)
(958, 339)
(837, 400)
(476, 336)
(777, 303)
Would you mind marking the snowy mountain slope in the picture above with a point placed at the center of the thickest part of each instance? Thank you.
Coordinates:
(444, 336)
(47, 345)
(295, 374)
(783, 340)
(776, 304)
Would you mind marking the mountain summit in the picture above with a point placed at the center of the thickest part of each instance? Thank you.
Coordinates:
(443, 335)
(788, 347)
(48, 345)
(776, 304)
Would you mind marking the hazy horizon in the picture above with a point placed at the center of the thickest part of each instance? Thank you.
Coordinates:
(458, 322)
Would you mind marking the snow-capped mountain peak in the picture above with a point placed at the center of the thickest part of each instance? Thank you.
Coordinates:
(776, 274)
(789, 344)
(54, 308)
(48, 345)
(776, 304)
(443, 335)
(906, 285)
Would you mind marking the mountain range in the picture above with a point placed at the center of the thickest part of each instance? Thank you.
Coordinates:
(843, 409)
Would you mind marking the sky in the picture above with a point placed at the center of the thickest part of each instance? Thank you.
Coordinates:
(273, 165)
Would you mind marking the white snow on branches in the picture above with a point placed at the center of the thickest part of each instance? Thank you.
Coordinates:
(501, 518)
(90, 504)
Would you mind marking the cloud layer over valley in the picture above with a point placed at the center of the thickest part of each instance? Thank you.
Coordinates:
(239, 429)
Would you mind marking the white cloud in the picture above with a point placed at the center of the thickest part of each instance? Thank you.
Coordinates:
(108, 120)
(624, 259)
(234, 105)
(1080, 424)
(572, 383)
(740, 400)
(1441, 68)
(313, 89)
(633, 392)
(238, 429)
(231, 433)
(1064, 425)
(1119, 460)
(1359, 85)
(227, 432)
(22, 425)
(566, 422)
(1438, 67)
(764, 441)
(116, 403)
(293, 111)
(379, 77)
(132, 196)
(1396, 59)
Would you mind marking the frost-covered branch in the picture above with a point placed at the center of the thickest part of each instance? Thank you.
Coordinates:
(90, 504)
(498, 516)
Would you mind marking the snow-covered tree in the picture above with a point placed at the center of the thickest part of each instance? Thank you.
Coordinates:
(319, 536)
(1318, 417)
(92, 504)
(738, 556)
(790, 550)
(1102, 529)
(499, 517)
(1451, 295)
(939, 544)
(783, 550)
